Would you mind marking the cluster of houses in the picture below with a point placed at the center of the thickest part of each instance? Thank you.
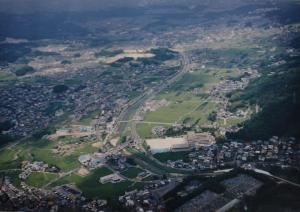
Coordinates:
(35, 166)
(61, 198)
(26, 199)
(145, 199)
(206, 201)
(142, 200)
(272, 152)
(92, 160)
(189, 188)
(117, 161)
(111, 178)
(69, 193)
(235, 189)
(95, 205)
(32, 106)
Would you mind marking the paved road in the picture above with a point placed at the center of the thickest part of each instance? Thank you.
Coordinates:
(10, 170)
(134, 134)
(275, 177)
(132, 108)
(148, 122)
(60, 177)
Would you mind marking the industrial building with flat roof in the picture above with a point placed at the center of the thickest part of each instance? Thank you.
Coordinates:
(183, 143)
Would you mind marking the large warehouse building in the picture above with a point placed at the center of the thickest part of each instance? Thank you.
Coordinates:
(183, 143)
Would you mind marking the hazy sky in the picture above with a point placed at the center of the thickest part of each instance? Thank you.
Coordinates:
(21, 6)
(50, 5)
(24, 6)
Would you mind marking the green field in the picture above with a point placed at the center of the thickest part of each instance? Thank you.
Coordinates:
(171, 113)
(87, 119)
(186, 106)
(92, 188)
(85, 150)
(145, 129)
(65, 163)
(164, 157)
(7, 159)
(232, 121)
(42, 151)
(132, 172)
(40, 179)
(6, 155)
(6, 78)
(203, 111)
(77, 180)
(190, 81)
(193, 109)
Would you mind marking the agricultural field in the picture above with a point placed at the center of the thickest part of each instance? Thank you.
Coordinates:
(40, 179)
(43, 150)
(87, 119)
(185, 106)
(131, 172)
(171, 113)
(144, 129)
(92, 188)
(6, 155)
(77, 180)
(189, 99)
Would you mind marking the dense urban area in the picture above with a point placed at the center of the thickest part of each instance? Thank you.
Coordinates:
(151, 107)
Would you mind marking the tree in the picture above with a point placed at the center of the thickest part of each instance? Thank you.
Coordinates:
(23, 70)
(212, 116)
(60, 88)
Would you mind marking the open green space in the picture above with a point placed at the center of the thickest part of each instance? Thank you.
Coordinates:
(6, 155)
(7, 159)
(144, 130)
(173, 156)
(87, 119)
(42, 150)
(185, 106)
(131, 172)
(171, 113)
(77, 180)
(190, 81)
(40, 179)
(232, 121)
(65, 163)
(73, 179)
(202, 112)
(6, 77)
(92, 188)
(85, 150)
(22, 70)
(67, 139)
